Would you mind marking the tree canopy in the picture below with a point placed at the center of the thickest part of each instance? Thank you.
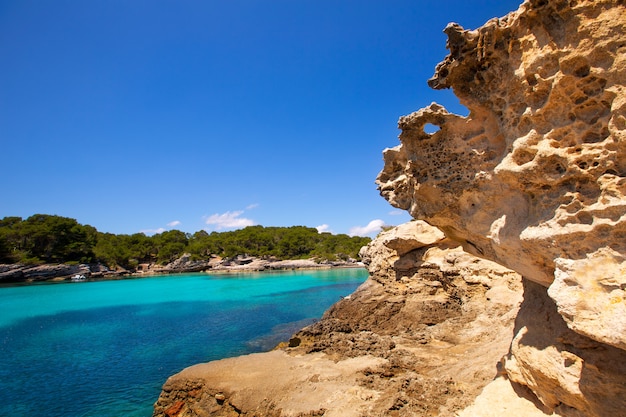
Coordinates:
(44, 238)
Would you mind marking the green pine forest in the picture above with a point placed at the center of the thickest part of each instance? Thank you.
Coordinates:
(44, 238)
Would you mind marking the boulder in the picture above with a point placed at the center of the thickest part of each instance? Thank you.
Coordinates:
(570, 373)
(184, 264)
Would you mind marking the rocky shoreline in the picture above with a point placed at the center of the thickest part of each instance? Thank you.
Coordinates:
(15, 273)
(533, 180)
(422, 336)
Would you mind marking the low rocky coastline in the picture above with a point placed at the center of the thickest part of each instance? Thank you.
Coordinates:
(422, 336)
(14, 273)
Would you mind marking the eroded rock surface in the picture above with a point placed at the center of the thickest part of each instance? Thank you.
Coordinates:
(570, 373)
(535, 179)
(422, 336)
(536, 172)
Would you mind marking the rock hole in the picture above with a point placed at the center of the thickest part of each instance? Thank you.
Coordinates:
(577, 66)
(522, 156)
(592, 137)
(568, 362)
(605, 132)
(531, 79)
(593, 86)
(584, 218)
(582, 71)
(591, 111)
(559, 168)
(431, 128)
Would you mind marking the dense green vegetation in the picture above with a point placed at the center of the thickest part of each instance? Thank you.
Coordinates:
(44, 238)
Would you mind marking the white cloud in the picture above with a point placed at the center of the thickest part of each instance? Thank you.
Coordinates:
(152, 231)
(252, 206)
(323, 228)
(372, 227)
(160, 229)
(229, 220)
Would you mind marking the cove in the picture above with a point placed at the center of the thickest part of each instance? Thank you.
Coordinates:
(104, 348)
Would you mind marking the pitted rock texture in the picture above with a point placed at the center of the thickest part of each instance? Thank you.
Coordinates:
(534, 178)
(422, 336)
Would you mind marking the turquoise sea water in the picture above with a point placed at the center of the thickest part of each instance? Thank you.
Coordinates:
(105, 348)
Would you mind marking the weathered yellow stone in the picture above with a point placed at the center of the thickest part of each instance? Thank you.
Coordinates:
(534, 178)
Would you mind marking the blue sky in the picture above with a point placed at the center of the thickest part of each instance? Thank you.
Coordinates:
(150, 115)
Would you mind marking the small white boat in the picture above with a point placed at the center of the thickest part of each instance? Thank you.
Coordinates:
(78, 277)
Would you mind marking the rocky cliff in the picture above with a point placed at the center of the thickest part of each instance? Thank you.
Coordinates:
(531, 181)
(535, 179)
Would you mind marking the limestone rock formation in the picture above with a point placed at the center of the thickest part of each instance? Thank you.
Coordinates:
(422, 336)
(534, 178)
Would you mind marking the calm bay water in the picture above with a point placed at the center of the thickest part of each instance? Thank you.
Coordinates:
(105, 348)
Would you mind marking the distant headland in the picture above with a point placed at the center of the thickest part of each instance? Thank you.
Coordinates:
(51, 247)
